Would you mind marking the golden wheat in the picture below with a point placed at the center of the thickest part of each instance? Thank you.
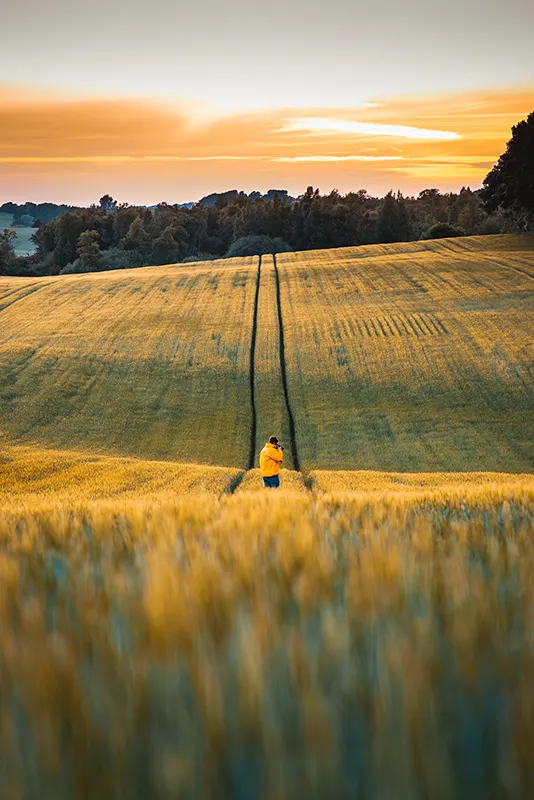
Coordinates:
(267, 645)
(289, 479)
(413, 357)
(369, 482)
(30, 473)
(152, 363)
(372, 637)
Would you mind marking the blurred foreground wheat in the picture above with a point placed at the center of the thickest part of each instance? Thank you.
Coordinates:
(268, 645)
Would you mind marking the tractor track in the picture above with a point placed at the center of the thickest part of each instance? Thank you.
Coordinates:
(283, 371)
(13, 300)
(252, 373)
(238, 479)
(510, 267)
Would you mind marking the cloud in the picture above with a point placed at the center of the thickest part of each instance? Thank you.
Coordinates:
(333, 159)
(139, 150)
(116, 159)
(68, 129)
(314, 125)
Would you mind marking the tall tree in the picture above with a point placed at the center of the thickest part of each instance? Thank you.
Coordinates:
(388, 226)
(170, 246)
(88, 249)
(137, 239)
(107, 203)
(7, 251)
(405, 229)
(510, 184)
(122, 221)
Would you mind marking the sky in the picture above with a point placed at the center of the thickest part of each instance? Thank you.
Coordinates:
(170, 100)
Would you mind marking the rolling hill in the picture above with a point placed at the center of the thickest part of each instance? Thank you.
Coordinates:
(413, 357)
(407, 358)
(152, 363)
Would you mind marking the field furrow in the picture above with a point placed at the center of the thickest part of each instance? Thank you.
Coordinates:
(252, 372)
(269, 390)
(10, 297)
(283, 371)
(290, 480)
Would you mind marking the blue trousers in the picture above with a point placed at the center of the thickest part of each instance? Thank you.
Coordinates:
(272, 483)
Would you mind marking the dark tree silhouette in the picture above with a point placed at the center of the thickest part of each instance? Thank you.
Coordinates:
(510, 184)
(7, 253)
(389, 223)
(130, 237)
(107, 203)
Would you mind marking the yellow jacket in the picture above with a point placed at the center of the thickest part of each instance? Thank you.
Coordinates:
(270, 460)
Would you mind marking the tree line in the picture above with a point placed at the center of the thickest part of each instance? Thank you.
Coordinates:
(29, 215)
(112, 236)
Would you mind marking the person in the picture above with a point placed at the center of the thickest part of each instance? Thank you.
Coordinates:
(271, 457)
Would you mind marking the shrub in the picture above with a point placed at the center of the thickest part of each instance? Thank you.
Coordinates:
(114, 258)
(443, 230)
(117, 258)
(258, 246)
(199, 257)
(76, 267)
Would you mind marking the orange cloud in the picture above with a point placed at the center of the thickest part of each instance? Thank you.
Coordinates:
(139, 148)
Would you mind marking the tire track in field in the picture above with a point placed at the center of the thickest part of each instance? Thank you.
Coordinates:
(283, 370)
(252, 373)
(510, 266)
(22, 296)
(236, 482)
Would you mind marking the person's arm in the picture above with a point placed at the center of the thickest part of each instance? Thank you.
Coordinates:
(278, 456)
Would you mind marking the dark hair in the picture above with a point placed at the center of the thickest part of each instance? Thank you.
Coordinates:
(273, 440)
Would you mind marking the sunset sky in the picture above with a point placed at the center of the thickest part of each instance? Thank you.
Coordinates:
(170, 100)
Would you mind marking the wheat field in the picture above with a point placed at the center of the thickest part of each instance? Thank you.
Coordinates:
(30, 474)
(414, 357)
(399, 358)
(267, 646)
(151, 363)
(169, 629)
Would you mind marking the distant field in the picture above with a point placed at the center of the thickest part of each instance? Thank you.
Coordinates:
(152, 363)
(413, 357)
(23, 244)
(398, 358)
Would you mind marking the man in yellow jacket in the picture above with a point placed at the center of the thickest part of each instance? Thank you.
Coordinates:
(271, 457)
